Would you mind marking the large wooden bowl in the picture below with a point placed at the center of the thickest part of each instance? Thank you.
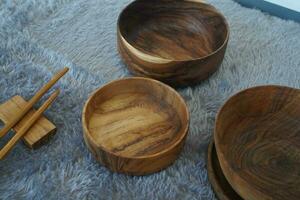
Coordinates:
(135, 126)
(257, 136)
(178, 42)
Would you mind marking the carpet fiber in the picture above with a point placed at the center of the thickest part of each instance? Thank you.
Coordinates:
(37, 38)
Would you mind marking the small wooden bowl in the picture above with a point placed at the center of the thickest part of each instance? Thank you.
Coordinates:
(135, 126)
(177, 42)
(257, 137)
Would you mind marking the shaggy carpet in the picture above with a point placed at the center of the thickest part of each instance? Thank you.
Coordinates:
(37, 38)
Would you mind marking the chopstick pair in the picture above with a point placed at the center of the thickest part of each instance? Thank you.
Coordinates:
(8, 146)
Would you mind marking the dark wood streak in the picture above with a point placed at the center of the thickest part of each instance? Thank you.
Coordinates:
(191, 36)
(258, 142)
(155, 130)
(131, 124)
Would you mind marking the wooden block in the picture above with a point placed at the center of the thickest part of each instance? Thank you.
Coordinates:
(38, 133)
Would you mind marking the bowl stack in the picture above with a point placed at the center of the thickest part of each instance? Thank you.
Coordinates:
(256, 149)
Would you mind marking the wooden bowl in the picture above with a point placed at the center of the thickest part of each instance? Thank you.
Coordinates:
(257, 137)
(135, 126)
(177, 42)
(220, 185)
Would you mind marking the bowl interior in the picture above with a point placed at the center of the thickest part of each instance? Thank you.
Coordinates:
(175, 30)
(257, 136)
(136, 117)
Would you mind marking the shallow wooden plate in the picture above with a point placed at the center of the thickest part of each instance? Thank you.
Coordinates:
(257, 136)
(221, 187)
(178, 42)
(135, 125)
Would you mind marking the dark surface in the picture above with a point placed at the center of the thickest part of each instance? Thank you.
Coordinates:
(272, 8)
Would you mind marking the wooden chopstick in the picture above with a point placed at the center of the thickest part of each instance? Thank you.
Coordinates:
(32, 101)
(9, 145)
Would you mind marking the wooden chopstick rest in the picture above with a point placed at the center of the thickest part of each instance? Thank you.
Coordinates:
(32, 101)
(26, 126)
(39, 133)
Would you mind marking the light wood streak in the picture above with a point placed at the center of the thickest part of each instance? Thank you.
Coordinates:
(144, 56)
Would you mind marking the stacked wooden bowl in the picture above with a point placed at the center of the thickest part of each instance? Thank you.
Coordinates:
(257, 145)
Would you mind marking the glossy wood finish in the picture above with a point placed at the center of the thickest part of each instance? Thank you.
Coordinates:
(38, 134)
(220, 185)
(257, 138)
(178, 42)
(135, 125)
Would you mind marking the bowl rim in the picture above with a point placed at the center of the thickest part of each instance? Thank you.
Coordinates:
(239, 93)
(119, 32)
(228, 176)
(184, 133)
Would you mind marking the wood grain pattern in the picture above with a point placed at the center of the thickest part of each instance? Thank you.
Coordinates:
(38, 134)
(220, 185)
(178, 42)
(257, 139)
(132, 124)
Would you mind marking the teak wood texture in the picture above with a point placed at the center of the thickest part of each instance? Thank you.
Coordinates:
(257, 137)
(177, 42)
(39, 133)
(135, 125)
(220, 185)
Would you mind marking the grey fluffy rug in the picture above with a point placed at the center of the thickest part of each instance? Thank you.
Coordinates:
(39, 37)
